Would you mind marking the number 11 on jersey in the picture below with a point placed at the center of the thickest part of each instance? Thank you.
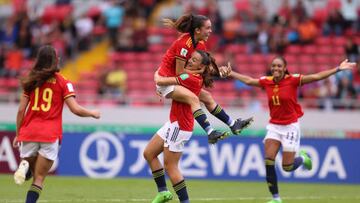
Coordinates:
(276, 100)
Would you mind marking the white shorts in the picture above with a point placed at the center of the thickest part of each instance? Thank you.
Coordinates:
(46, 149)
(288, 135)
(165, 90)
(173, 137)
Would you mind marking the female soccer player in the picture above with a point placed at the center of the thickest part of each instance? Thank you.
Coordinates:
(39, 119)
(172, 137)
(284, 128)
(196, 29)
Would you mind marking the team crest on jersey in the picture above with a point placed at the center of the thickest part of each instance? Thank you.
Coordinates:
(296, 75)
(184, 76)
(276, 89)
(183, 52)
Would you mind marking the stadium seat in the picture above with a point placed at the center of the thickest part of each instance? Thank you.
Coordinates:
(294, 49)
(339, 41)
(325, 50)
(310, 49)
(305, 59)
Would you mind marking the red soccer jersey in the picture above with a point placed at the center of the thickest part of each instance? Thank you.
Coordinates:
(282, 99)
(43, 118)
(182, 49)
(181, 112)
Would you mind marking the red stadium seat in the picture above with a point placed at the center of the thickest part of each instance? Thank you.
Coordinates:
(325, 50)
(305, 59)
(291, 59)
(339, 41)
(323, 41)
(242, 58)
(293, 49)
(310, 49)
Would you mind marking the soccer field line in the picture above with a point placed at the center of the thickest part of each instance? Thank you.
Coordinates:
(194, 199)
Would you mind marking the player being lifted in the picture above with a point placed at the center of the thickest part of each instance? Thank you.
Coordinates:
(196, 29)
(172, 137)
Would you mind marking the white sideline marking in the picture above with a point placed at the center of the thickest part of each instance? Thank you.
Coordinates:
(195, 199)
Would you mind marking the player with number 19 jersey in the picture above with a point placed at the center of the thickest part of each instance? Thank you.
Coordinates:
(181, 49)
(43, 118)
(282, 97)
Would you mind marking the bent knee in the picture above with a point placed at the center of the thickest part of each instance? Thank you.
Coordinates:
(206, 98)
(148, 155)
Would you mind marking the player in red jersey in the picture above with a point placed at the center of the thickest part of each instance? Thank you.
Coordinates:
(196, 29)
(172, 137)
(283, 128)
(39, 119)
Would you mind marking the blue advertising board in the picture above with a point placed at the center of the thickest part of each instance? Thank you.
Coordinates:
(107, 155)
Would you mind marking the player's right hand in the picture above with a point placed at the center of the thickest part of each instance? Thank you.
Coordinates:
(16, 143)
(96, 114)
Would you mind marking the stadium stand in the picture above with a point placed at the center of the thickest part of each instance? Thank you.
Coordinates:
(141, 41)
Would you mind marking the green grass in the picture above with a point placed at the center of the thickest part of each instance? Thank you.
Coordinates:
(80, 189)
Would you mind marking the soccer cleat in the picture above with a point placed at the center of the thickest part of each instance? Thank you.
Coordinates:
(239, 125)
(162, 197)
(20, 173)
(274, 201)
(215, 136)
(307, 160)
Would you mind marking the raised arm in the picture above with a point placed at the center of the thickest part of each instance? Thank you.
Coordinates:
(345, 65)
(226, 71)
(245, 79)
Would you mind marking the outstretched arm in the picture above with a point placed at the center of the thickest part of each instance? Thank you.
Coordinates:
(245, 79)
(345, 65)
(79, 110)
(226, 71)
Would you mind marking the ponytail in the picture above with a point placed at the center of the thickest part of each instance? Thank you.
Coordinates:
(187, 24)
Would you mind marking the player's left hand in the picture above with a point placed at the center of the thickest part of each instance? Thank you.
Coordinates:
(346, 65)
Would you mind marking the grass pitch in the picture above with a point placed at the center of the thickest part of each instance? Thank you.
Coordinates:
(81, 189)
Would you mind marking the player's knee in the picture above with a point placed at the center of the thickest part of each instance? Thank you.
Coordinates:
(193, 100)
(206, 98)
(147, 155)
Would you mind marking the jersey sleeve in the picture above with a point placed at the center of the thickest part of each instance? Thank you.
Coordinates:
(262, 81)
(181, 50)
(68, 88)
(296, 78)
(190, 82)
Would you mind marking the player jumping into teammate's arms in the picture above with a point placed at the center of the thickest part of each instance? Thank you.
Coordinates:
(39, 120)
(284, 128)
(196, 30)
(171, 138)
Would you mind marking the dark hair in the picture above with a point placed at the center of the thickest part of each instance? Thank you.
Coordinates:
(284, 61)
(187, 24)
(45, 67)
(208, 61)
